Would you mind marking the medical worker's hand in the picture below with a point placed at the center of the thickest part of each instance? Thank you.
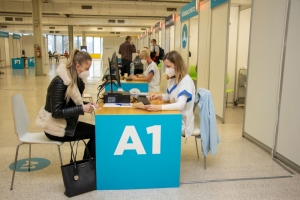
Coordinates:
(153, 107)
(155, 96)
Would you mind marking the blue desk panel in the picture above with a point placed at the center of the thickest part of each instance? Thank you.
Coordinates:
(127, 86)
(17, 63)
(156, 163)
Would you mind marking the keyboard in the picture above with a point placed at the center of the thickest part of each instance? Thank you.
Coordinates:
(143, 99)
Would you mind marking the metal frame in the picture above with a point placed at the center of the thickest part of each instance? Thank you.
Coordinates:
(16, 157)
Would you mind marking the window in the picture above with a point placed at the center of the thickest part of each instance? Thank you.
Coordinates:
(97, 45)
(59, 44)
(66, 44)
(90, 44)
(51, 44)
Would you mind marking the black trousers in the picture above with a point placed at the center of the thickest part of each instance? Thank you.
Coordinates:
(125, 67)
(83, 131)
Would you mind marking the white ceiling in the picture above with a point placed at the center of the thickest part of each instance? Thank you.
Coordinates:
(137, 15)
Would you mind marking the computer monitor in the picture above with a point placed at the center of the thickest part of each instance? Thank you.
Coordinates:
(114, 64)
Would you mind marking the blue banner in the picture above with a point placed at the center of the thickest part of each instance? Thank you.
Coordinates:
(30, 61)
(189, 10)
(16, 36)
(4, 34)
(216, 3)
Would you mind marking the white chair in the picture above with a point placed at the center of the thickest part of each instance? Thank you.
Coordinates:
(197, 134)
(21, 122)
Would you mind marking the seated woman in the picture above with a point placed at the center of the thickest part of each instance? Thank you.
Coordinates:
(151, 73)
(59, 117)
(180, 92)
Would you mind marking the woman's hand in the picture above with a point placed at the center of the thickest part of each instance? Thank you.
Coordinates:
(153, 107)
(133, 77)
(88, 108)
(93, 104)
(155, 96)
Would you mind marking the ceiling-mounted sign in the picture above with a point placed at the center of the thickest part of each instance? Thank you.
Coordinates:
(149, 31)
(184, 37)
(16, 36)
(216, 3)
(189, 10)
(4, 34)
(170, 20)
(157, 26)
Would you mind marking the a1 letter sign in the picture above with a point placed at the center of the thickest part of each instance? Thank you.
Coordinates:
(130, 132)
(156, 132)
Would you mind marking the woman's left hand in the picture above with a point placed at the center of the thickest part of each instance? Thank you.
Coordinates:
(133, 77)
(153, 107)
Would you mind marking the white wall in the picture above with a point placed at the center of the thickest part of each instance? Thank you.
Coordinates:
(232, 49)
(243, 42)
(289, 127)
(177, 43)
(266, 42)
(28, 45)
(218, 57)
(172, 38)
(111, 45)
(167, 40)
(204, 45)
(160, 43)
(7, 50)
(2, 52)
(193, 41)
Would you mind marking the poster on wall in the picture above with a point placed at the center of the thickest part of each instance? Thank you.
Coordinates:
(184, 37)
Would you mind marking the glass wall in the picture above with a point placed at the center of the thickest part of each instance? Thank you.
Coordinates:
(90, 44)
(60, 44)
(66, 43)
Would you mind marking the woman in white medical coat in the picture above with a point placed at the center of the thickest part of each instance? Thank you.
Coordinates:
(180, 91)
(151, 72)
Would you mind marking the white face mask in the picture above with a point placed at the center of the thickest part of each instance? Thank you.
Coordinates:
(144, 62)
(170, 72)
(84, 75)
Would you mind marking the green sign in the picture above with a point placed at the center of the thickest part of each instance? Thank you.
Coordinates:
(35, 164)
(16, 36)
(4, 34)
(215, 3)
(189, 10)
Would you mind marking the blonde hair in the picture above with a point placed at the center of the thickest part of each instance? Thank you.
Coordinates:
(180, 67)
(79, 57)
(145, 53)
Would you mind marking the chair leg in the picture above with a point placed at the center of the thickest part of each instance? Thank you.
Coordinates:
(15, 166)
(197, 146)
(29, 157)
(205, 162)
(59, 154)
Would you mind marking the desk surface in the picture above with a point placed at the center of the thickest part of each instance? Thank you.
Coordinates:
(134, 82)
(131, 111)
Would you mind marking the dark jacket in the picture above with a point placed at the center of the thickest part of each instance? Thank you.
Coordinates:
(57, 105)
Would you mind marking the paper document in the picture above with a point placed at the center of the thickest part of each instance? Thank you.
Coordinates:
(115, 105)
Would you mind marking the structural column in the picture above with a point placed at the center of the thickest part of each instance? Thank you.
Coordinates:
(71, 37)
(38, 37)
(83, 39)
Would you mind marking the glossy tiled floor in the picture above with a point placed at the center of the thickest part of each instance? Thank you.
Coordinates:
(236, 157)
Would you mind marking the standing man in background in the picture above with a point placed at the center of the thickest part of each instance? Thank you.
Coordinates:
(126, 49)
(154, 51)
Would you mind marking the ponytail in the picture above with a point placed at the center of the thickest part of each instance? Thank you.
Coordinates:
(79, 57)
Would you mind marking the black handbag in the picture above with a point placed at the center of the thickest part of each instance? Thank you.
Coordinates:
(79, 176)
